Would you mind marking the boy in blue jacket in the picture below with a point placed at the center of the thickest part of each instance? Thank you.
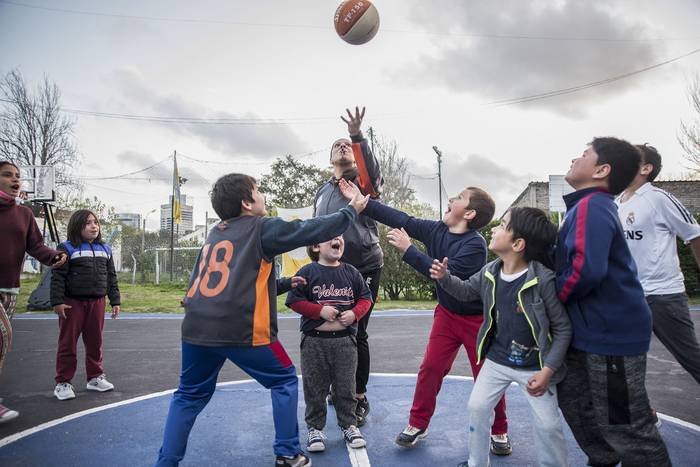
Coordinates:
(603, 397)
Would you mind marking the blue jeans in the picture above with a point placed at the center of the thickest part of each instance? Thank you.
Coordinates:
(269, 365)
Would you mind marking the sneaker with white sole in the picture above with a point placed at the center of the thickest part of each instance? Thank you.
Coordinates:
(64, 391)
(353, 437)
(500, 445)
(316, 441)
(299, 460)
(7, 414)
(410, 436)
(99, 384)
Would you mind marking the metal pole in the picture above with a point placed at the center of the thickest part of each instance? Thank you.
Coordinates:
(172, 223)
(439, 160)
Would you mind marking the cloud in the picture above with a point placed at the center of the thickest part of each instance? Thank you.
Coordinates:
(263, 142)
(497, 69)
(478, 170)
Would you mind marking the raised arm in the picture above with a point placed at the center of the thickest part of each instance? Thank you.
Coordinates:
(465, 290)
(370, 178)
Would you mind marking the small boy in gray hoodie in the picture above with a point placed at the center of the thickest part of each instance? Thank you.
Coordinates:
(525, 333)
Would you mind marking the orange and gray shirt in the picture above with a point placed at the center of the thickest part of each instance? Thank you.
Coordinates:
(231, 297)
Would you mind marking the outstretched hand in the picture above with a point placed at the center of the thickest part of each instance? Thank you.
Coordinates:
(438, 270)
(359, 202)
(355, 121)
(399, 238)
(348, 189)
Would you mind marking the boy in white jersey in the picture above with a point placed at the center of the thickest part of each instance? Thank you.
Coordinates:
(652, 219)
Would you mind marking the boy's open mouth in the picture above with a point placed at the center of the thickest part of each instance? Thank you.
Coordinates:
(335, 245)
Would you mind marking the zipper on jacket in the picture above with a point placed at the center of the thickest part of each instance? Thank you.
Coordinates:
(527, 285)
(490, 277)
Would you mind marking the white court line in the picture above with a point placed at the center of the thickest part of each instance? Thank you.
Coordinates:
(29, 431)
(358, 457)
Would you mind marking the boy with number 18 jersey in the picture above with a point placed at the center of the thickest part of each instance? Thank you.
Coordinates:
(230, 313)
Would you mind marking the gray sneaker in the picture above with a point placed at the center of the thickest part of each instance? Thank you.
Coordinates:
(410, 436)
(64, 391)
(99, 384)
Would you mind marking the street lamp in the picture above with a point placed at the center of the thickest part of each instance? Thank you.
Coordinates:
(143, 231)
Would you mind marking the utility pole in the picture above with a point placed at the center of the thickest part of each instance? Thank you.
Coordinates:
(172, 216)
(439, 160)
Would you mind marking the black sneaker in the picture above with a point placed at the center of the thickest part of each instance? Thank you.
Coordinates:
(297, 461)
(500, 445)
(316, 441)
(353, 437)
(410, 436)
(362, 410)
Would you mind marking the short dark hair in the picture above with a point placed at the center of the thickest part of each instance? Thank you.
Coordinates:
(6, 162)
(314, 255)
(540, 235)
(623, 159)
(77, 222)
(483, 204)
(650, 156)
(228, 192)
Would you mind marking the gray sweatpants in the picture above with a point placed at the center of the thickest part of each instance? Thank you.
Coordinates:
(326, 362)
(605, 403)
(674, 328)
(489, 387)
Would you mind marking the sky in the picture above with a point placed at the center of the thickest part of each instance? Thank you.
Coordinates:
(442, 73)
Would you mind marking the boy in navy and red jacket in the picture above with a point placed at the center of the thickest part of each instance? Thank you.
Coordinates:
(603, 397)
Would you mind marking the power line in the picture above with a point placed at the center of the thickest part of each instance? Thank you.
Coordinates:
(318, 27)
(559, 92)
(128, 173)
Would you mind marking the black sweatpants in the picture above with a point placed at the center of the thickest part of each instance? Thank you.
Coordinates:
(362, 375)
(605, 403)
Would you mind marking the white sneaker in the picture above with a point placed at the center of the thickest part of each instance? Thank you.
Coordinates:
(64, 391)
(353, 437)
(99, 384)
(7, 414)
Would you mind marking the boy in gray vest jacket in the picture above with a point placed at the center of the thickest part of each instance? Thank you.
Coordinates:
(230, 312)
(525, 333)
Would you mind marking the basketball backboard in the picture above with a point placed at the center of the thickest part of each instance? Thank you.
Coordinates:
(558, 187)
(38, 181)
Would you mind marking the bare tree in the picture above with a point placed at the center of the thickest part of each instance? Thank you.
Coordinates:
(397, 191)
(689, 138)
(33, 131)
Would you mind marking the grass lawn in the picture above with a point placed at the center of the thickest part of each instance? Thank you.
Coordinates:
(165, 298)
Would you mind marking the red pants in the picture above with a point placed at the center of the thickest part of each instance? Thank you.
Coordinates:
(86, 317)
(449, 332)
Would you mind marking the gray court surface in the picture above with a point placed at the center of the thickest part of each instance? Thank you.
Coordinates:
(142, 357)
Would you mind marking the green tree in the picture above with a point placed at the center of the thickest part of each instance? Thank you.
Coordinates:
(291, 183)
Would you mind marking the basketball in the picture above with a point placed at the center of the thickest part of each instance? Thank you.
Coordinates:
(356, 21)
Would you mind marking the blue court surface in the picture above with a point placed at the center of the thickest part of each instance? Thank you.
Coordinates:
(235, 429)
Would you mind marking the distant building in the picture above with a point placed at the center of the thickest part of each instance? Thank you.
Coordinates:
(200, 232)
(130, 219)
(536, 194)
(186, 224)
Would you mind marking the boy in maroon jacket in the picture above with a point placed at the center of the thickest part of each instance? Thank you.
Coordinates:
(19, 234)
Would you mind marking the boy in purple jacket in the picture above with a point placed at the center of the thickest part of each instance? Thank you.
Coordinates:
(603, 397)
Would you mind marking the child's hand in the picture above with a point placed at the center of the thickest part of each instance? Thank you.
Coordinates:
(61, 309)
(346, 318)
(399, 238)
(539, 383)
(438, 270)
(115, 311)
(329, 313)
(355, 121)
(298, 280)
(59, 260)
(348, 189)
(359, 202)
